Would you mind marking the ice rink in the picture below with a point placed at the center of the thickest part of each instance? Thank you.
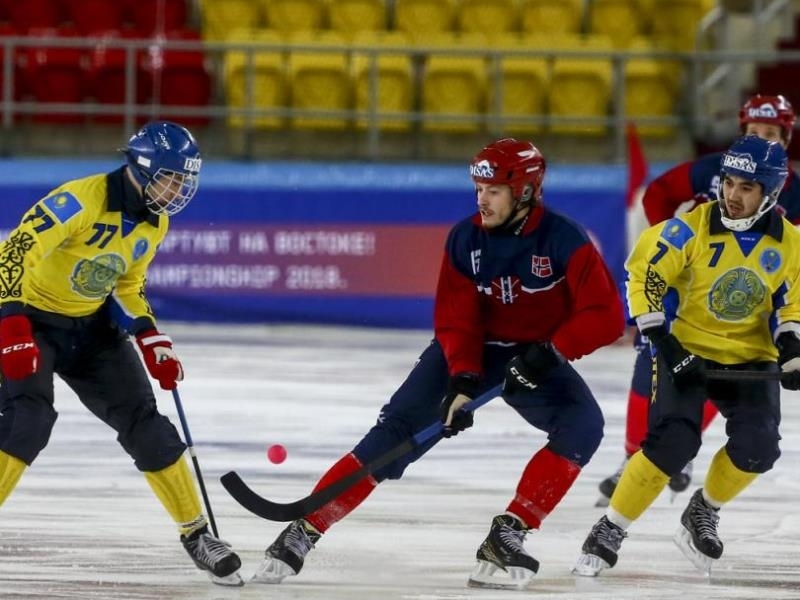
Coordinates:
(84, 524)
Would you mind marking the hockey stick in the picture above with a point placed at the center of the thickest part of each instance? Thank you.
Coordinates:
(190, 446)
(275, 511)
(733, 375)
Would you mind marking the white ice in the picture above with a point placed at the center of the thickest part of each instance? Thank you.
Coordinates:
(84, 524)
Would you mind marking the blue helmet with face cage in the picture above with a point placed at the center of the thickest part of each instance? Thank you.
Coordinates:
(164, 159)
(754, 159)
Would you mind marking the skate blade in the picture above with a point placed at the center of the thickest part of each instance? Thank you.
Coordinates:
(589, 565)
(487, 575)
(232, 580)
(683, 539)
(272, 570)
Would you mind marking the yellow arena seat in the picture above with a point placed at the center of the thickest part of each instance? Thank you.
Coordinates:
(393, 77)
(454, 86)
(581, 86)
(679, 20)
(551, 16)
(350, 17)
(220, 17)
(621, 20)
(290, 16)
(268, 79)
(487, 15)
(422, 17)
(649, 93)
(319, 80)
(519, 95)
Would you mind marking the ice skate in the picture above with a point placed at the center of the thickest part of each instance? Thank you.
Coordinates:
(680, 482)
(213, 556)
(600, 548)
(287, 553)
(609, 484)
(503, 562)
(697, 536)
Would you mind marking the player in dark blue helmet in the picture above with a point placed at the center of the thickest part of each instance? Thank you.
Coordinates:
(71, 314)
(731, 264)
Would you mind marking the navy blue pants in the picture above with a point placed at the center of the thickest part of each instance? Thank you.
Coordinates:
(562, 406)
(101, 366)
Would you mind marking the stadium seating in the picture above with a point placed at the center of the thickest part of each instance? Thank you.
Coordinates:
(551, 16)
(678, 19)
(394, 78)
(419, 18)
(496, 16)
(349, 17)
(291, 16)
(89, 16)
(220, 17)
(580, 86)
(520, 93)
(106, 77)
(621, 20)
(180, 77)
(34, 14)
(649, 93)
(454, 85)
(269, 89)
(318, 73)
(54, 74)
(151, 17)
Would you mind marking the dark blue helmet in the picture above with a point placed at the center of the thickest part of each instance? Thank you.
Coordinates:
(755, 159)
(165, 160)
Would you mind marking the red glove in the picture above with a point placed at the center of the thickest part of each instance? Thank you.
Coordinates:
(161, 361)
(19, 354)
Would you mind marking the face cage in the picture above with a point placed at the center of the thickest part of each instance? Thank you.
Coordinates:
(744, 224)
(168, 192)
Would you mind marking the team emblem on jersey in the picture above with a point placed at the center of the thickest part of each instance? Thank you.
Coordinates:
(64, 206)
(676, 233)
(140, 248)
(736, 294)
(541, 266)
(97, 277)
(770, 260)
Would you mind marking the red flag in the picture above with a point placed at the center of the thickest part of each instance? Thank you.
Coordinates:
(637, 164)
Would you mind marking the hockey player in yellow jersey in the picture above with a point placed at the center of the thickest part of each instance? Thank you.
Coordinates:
(72, 291)
(719, 288)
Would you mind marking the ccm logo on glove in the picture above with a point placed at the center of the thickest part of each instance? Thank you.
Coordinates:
(19, 354)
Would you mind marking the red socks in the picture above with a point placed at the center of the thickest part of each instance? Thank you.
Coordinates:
(348, 500)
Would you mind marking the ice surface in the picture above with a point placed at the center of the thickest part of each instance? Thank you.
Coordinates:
(84, 524)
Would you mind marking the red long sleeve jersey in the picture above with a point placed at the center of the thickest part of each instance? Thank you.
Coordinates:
(697, 181)
(548, 283)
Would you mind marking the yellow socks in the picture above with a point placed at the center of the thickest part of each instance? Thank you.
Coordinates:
(11, 469)
(639, 486)
(725, 480)
(175, 488)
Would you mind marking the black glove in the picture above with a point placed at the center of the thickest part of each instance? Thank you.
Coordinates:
(788, 345)
(685, 368)
(529, 370)
(460, 389)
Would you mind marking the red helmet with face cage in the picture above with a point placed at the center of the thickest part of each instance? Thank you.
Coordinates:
(510, 162)
(775, 110)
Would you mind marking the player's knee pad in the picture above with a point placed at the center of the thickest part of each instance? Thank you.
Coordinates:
(388, 433)
(577, 445)
(753, 446)
(25, 427)
(671, 444)
(152, 441)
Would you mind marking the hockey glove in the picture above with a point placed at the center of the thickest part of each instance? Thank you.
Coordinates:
(160, 359)
(788, 345)
(460, 389)
(685, 368)
(19, 354)
(527, 371)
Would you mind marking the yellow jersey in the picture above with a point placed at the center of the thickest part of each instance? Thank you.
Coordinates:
(726, 292)
(79, 246)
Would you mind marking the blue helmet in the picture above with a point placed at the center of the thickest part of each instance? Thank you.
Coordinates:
(755, 159)
(164, 159)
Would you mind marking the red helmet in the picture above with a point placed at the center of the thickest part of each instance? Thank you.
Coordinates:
(510, 162)
(775, 110)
